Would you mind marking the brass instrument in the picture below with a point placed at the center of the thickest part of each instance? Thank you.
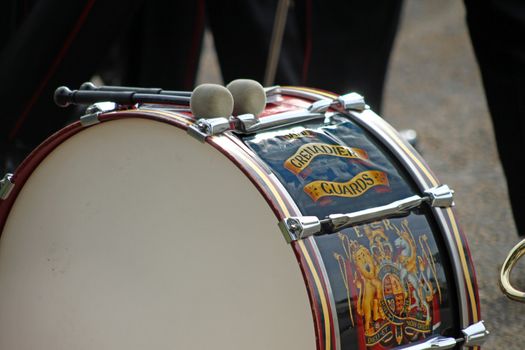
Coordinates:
(504, 281)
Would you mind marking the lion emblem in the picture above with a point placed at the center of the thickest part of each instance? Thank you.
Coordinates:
(370, 289)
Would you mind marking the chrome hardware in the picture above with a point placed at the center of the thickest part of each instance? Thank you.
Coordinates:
(208, 127)
(90, 119)
(244, 122)
(504, 278)
(294, 228)
(93, 112)
(474, 335)
(6, 186)
(320, 106)
(440, 196)
(438, 342)
(272, 90)
(273, 94)
(352, 101)
(282, 119)
(399, 207)
(102, 107)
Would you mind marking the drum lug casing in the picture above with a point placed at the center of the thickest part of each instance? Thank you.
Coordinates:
(244, 122)
(6, 186)
(475, 334)
(90, 119)
(102, 107)
(95, 110)
(208, 127)
(352, 101)
(441, 196)
(294, 228)
(320, 106)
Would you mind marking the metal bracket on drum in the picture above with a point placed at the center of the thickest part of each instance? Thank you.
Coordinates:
(6, 186)
(299, 227)
(273, 94)
(473, 335)
(90, 119)
(208, 127)
(248, 123)
(352, 101)
(95, 110)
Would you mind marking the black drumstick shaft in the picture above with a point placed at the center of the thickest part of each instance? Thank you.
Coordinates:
(64, 97)
(88, 86)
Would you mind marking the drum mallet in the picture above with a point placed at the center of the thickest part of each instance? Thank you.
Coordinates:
(206, 101)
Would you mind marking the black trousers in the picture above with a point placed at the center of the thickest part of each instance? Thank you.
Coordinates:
(49, 43)
(334, 45)
(497, 31)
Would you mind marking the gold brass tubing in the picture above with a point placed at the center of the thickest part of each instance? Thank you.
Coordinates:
(504, 279)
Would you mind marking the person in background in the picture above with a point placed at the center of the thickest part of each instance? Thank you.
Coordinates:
(497, 32)
(339, 46)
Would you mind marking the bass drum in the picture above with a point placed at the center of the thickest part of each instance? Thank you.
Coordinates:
(128, 233)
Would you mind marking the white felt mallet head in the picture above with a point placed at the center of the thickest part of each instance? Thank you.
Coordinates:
(248, 96)
(211, 101)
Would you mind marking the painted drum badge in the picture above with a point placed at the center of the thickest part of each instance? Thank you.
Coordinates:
(354, 187)
(393, 291)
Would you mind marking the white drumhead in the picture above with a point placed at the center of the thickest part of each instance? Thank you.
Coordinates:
(133, 235)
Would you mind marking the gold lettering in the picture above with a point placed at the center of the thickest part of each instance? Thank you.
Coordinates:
(306, 153)
(352, 188)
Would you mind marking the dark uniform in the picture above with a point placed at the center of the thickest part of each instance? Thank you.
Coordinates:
(334, 45)
(497, 31)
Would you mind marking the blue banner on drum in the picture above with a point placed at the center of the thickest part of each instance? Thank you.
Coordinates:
(332, 167)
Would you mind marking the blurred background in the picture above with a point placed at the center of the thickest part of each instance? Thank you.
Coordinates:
(434, 87)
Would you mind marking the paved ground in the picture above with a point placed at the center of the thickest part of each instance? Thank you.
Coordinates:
(434, 87)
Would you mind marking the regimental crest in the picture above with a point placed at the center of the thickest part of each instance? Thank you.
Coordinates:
(392, 284)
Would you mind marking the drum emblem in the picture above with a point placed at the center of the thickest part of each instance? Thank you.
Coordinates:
(394, 293)
(392, 286)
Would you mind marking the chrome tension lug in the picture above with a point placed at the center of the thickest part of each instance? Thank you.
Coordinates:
(273, 90)
(320, 106)
(6, 186)
(90, 119)
(244, 122)
(102, 107)
(208, 127)
(273, 95)
(476, 334)
(299, 227)
(95, 110)
(440, 196)
(352, 101)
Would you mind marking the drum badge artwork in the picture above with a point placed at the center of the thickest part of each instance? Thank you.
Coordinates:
(354, 187)
(392, 286)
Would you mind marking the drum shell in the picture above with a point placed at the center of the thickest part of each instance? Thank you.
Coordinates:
(315, 270)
